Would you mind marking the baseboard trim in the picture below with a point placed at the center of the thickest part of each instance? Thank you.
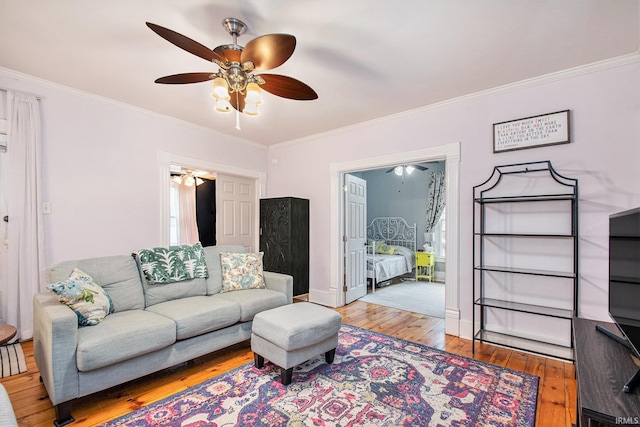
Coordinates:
(452, 322)
(323, 298)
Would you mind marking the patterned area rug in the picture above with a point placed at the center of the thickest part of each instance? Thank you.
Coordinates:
(12, 360)
(374, 380)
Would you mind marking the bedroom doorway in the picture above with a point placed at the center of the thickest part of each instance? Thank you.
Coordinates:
(450, 154)
(399, 209)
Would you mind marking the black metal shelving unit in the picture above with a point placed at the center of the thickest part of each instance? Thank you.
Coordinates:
(561, 193)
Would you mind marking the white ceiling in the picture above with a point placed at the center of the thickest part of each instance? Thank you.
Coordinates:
(366, 59)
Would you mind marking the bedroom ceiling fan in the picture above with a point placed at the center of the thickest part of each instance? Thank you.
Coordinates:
(401, 170)
(235, 84)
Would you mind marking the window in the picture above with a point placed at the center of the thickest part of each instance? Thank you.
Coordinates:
(174, 214)
(440, 235)
(3, 135)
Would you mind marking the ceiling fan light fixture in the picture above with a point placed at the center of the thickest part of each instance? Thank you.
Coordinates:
(223, 106)
(220, 89)
(253, 94)
(409, 169)
(398, 170)
(251, 109)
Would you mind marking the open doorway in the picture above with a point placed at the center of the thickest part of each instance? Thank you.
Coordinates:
(192, 200)
(237, 194)
(405, 217)
(450, 154)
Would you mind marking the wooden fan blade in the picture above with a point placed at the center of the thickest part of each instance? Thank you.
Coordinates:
(269, 51)
(287, 87)
(185, 43)
(178, 79)
(237, 102)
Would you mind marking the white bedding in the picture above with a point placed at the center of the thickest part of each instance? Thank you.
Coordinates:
(390, 266)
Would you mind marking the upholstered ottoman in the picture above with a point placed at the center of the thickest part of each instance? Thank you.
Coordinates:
(292, 334)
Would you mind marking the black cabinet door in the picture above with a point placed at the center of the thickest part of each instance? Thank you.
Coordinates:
(284, 239)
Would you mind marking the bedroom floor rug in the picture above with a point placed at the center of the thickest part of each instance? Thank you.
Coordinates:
(410, 295)
(375, 380)
(12, 360)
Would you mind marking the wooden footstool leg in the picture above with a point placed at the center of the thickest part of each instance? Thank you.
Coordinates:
(258, 360)
(329, 355)
(285, 376)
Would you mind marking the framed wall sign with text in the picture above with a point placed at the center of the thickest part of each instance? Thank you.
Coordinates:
(530, 132)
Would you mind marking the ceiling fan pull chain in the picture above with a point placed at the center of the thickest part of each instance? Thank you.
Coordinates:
(237, 113)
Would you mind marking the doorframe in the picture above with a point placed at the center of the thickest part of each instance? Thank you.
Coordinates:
(450, 153)
(166, 159)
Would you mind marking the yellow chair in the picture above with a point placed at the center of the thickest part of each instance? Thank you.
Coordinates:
(425, 265)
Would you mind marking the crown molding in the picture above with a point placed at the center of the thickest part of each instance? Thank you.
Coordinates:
(29, 79)
(594, 67)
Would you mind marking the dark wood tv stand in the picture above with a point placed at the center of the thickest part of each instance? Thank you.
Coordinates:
(603, 366)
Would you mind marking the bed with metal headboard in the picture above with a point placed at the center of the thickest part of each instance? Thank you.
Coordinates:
(391, 247)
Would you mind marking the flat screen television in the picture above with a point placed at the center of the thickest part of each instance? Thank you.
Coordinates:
(624, 280)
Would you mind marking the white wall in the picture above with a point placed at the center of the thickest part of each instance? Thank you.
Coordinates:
(101, 165)
(101, 168)
(604, 155)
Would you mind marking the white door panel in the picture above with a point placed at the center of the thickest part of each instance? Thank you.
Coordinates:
(235, 221)
(356, 218)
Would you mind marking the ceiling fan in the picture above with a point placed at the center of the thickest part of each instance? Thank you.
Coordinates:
(235, 83)
(400, 170)
(188, 177)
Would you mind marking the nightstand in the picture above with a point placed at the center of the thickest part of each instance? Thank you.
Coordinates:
(425, 265)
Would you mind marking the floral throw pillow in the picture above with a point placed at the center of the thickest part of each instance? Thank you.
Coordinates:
(241, 271)
(173, 263)
(84, 296)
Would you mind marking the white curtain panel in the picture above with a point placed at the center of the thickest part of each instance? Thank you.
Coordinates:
(187, 215)
(4, 250)
(26, 262)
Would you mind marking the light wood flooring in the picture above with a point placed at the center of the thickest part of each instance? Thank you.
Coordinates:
(556, 398)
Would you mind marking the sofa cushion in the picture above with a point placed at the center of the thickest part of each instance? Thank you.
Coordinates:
(212, 256)
(241, 271)
(122, 336)
(198, 315)
(84, 296)
(161, 292)
(173, 263)
(253, 301)
(117, 275)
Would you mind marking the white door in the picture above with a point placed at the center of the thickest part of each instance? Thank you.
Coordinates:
(235, 211)
(356, 237)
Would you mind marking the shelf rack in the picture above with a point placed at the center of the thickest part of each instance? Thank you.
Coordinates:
(490, 194)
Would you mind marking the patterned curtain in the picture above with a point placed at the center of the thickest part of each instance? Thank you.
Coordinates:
(436, 199)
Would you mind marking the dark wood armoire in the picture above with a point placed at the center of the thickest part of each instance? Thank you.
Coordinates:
(284, 239)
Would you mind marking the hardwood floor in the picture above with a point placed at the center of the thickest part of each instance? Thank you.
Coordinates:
(556, 396)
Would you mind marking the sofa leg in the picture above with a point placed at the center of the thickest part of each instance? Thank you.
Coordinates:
(258, 361)
(285, 376)
(63, 414)
(329, 355)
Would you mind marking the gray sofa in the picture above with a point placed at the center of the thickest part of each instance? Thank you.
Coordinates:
(7, 417)
(153, 327)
